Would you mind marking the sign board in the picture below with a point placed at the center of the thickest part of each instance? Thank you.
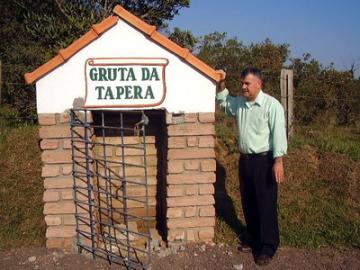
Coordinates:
(125, 82)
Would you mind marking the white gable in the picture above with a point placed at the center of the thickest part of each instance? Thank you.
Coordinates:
(188, 90)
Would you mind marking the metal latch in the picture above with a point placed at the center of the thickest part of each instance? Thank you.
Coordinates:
(144, 121)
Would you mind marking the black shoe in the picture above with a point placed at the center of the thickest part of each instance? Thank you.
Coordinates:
(243, 247)
(263, 259)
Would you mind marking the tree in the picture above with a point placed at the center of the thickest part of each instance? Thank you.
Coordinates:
(233, 56)
(33, 31)
(184, 38)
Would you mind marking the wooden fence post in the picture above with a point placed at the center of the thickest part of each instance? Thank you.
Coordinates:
(287, 98)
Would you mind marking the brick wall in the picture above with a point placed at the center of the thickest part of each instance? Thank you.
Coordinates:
(59, 207)
(191, 177)
(133, 158)
(189, 172)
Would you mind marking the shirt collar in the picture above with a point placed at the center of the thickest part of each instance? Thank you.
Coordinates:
(258, 100)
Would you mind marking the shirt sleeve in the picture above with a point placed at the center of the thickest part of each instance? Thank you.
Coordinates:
(227, 102)
(278, 130)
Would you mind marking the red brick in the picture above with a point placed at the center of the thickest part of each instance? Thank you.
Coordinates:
(174, 212)
(66, 169)
(191, 235)
(191, 129)
(51, 196)
(176, 235)
(46, 119)
(175, 166)
(67, 194)
(191, 117)
(65, 118)
(70, 243)
(66, 207)
(140, 191)
(208, 165)
(192, 141)
(60, 231)
(56, 157)
(207, 141)
(206, 233)
(52, 220)
(67, 143)
(190, 201)
(50, 171)
(178, 118)
(192, 165)
(49, 144)
(207, 211)
(47, 132)
(136, 171)
(190, 211)
(207, 117)
(150, 150)
(177, 142)
(136, 140)
(54, 243)
(168, 118)
(191, 189)
(198, 178)
(69, 220)
(206, 189)
(50, 183)
(174, 191)
(193, 153)
(191, 222)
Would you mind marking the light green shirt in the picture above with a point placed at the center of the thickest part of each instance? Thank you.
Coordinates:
(261, 124)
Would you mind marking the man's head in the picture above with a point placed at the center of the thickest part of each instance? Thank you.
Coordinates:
(251, 79)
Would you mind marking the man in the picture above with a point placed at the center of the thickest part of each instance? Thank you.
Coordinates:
(262, 143)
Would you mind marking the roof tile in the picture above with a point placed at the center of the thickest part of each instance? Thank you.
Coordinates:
(103, 26)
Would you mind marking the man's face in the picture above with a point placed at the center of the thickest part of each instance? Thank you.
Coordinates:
(251, 86)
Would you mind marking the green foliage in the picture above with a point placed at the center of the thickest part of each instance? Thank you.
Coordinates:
(324, 95)
(184, 38)
(233, 56)
(34, 31)
(21, 187)
(342, 140)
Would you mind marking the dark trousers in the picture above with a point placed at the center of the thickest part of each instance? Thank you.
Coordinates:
(259, 200)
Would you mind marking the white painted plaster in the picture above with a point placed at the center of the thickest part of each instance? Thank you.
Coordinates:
(188, 90)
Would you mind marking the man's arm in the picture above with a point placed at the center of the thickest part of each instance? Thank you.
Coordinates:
(220, 86)
(278, 170)
(225, 101)
(279, 141)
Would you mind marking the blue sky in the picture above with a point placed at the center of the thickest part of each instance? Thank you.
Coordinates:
(328, 29)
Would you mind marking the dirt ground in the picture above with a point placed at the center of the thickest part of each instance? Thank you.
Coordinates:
(205, 256)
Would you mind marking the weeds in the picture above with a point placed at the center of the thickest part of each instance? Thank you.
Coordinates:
(343, 140)
(21, 187)
(319, 203)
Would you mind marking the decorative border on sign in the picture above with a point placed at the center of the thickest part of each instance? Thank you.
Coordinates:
(90, 61)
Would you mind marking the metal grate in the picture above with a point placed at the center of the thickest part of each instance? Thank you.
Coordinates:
(104, 224)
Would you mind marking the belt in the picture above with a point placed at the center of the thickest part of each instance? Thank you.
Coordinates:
(254, 155)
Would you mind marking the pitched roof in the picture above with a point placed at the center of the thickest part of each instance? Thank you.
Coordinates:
(97, 29)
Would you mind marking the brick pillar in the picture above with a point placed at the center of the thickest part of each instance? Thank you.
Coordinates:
(191, 177)
(59, 207)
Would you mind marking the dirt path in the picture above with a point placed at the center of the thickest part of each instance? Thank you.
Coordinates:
(193, 257)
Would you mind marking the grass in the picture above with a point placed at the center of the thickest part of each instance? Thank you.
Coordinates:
(21, 187)
(319, 203)
(343, 140)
